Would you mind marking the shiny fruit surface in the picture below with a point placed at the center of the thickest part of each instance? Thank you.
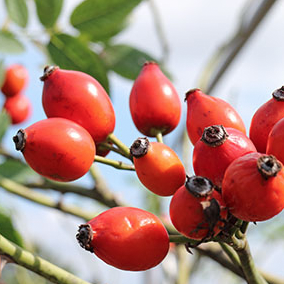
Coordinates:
(204, 110)
(154, 102)
(264, 119)
(159, 168)
(79, 97)
(253, 187)
(57, 148)
(217, 149)
(127, 238)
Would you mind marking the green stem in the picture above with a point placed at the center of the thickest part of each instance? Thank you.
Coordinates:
(180, 239)
(104, 197)
(252, 275)
(159, 137)
(220, 258)
(116, 164)
(124, 149)
(39, 198)
(110, 147)
(38, 265)
(233, 256)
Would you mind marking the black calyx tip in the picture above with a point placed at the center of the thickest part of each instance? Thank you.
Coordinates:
(20, 140)
(268, 166)
(47, 71)
(214, 135)
(85, 236)
(191, 91)
(140, 147)
(199, 186)
(279, 94)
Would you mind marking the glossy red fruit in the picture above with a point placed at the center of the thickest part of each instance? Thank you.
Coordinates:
(18, 107)
(16, 78)
(204, 111)
(197, 209)
(127, 238)
(275, 141)
(264, 119)
(157, 166)
(217, 149)
(57, 148)
(253, 187)
(154, 103)
(79, 97)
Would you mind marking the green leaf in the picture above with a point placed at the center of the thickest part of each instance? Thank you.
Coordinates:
(71, 53)
(101, 19)
(18, 11)
(125, 60)
(8, 230)
(17, 171)
(5, 122)
(9, 44)
(48, 11)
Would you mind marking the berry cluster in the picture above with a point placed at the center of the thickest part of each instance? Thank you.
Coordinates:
(236, 177)
(17, 105)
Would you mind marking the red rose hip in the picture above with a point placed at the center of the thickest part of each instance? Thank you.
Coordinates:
(204, 110)
(18, 107)
(264, 119)
(275, 141)
(16, 78)
(127, 238)
(57, 148)
(217, 149)
(79, 97)
(154, 103)
(253, 187)
(197, 209)
(157, 166)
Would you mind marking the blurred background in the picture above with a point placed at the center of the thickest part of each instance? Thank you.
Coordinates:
(230, 49)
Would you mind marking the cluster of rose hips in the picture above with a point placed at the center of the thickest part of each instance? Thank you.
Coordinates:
(235, 175)
(16, 104)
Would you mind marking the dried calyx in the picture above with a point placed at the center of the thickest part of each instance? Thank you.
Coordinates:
(199, 186)
(140, 147)
(188, 93)
(214, 135)
(85, 236)
(47, 71)
(268, 166)
(279, 94)
(20, 140)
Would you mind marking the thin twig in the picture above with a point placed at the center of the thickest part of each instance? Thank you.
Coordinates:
(37, 264)
(159, 137)
(41, 199)
(124, 149)
(102, 190)
(113, 163)
(105, 198)
(225, 55)
(252, 275)
(160, 31)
